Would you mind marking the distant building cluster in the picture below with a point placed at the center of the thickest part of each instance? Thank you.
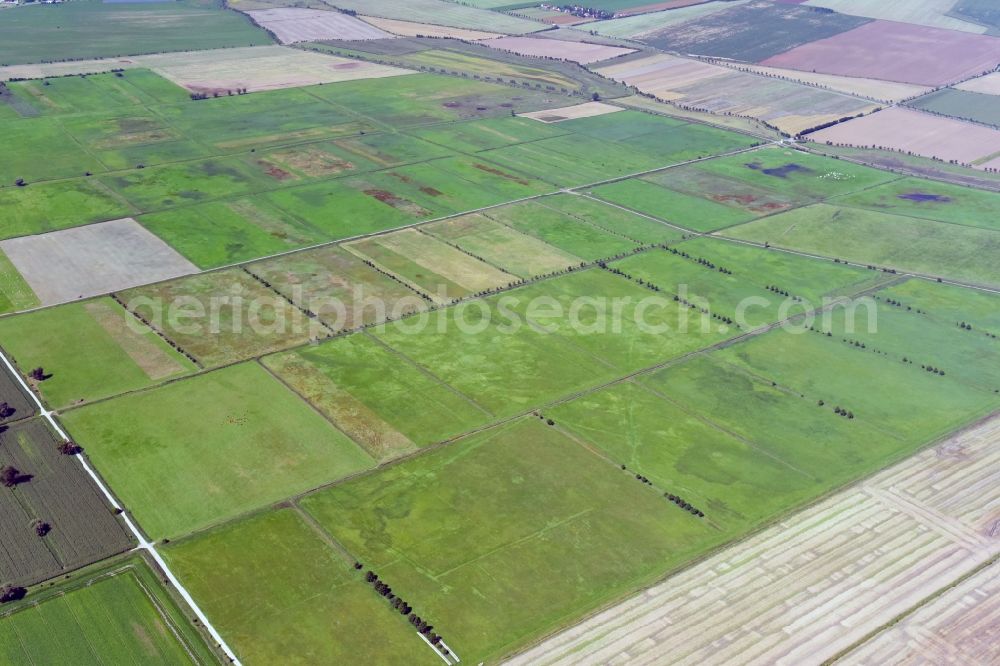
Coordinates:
(580, 11)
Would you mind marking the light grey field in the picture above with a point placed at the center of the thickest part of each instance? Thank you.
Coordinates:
(95, 259)
(292, 25)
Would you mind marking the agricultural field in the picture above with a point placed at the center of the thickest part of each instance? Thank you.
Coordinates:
(503, 246)
(326, 611)
(723, 192)
(932, 13)
(222, 318)
(637, 26)
(909, 131)
(386, 403)
(253, 443)
(417, 325)
(987, 85)
(90, 350)
(429, 266)
(702, 86)
(52, 489)
(882, 239)
(59, 265)
(736, 33)
(579, 52)
(78, 30)
(961, 104)
(899, 52)
(525, 489)
(119, 615)
(343, 291)
(290, 25)
(434, 12)
(862, 557)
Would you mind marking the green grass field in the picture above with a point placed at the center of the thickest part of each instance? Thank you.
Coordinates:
(79, 30)
(42, 207)
(192, 453)
(620, 222)
(929, 200)
(122, 617)
(92, 350)
(382, 400)
(310, 606)
(678, 208)
(546, 529)
(15, 293)
(870, 237)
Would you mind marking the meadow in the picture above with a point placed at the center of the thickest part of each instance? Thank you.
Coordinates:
(515, 496)
(36, 34)
(312, 604)
(254, 443)
(961, 104)
(869, 237)
(111, 352)
(118, 616)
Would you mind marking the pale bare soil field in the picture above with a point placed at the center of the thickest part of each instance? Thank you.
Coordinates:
(884, 91)
(987, 85)
(924, 134)
(292, 25)
(810, 587)
(579, 52)
(585, 110)
(95, 259)
(959, 627)
(791, 107)
(413, 29)
(896, 52)
(254, 68)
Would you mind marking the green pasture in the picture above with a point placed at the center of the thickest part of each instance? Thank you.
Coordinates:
(222, 317)
(728, 478)
(15, 293)
(42, 207)
(870, 237)
(487, 134)
(122, 617)
(567, 232)
(382, 400)
(807, 278)
(91, 349)
(120, 93)
(678, 208)
(949, 304)
(123, 141)
(191, 453)
(506, 535)
(310, 605)
(220, 233)
(616, 322)
(39, 149)
(487, 351)
(867, 382)
(930, 200)
(615, 220)
(80, 30)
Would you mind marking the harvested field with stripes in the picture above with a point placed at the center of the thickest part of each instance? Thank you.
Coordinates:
(910, 131)
(291, 25)
(814, 584)
(585, 110)
(412, 29)
(959, 627)
(580, 52)
(884, 91)
(791, 107)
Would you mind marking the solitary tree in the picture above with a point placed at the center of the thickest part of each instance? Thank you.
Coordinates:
(11, 593)
(10, 476)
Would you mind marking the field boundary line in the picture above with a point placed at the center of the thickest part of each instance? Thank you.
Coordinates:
(144, 544)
